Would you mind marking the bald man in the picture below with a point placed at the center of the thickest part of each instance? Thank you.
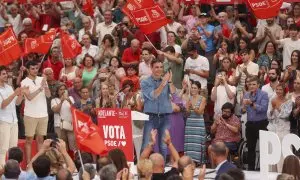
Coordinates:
(132, 55)
(87, 27)
(219, 32)
(158, 160)
(219, 153)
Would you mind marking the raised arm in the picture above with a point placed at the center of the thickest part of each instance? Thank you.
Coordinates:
(149, 148)
(172, 149)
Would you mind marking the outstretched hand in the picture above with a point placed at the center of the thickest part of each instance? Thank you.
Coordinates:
(153, 136)
(167, 139)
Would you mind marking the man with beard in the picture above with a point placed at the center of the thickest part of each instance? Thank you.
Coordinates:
(271, 87)
(262, 36)
(226, 128)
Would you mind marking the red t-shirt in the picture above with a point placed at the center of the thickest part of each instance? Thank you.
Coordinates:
(135, 79)
(130, 57)
(56, 67)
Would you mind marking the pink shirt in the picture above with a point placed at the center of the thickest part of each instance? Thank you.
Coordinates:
(190, 21)
(224, 134)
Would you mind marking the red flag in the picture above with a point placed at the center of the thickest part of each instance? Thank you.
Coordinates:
(87, 133)
(87, 7)
(10, 49)
(226, 31)
(41, 44)
(150, 19)
(70, 46)
(264, 9)
(132, 5)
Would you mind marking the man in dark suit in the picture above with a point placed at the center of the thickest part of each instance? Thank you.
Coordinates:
(219, 157)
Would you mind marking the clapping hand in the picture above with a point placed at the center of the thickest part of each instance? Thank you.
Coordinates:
(153, 136)
(167, 139)
(202, 172)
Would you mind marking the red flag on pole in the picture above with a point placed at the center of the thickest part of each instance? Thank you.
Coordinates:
(264, 9)
(132, 5)
(41, 44)
(150, 19)
(10, 49)
(70, 46)
(87, 134)
(87, 7)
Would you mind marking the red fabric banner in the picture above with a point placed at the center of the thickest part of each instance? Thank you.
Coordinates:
(70, 46)
(116, 129)
(33, 1)
(87, 7)
(150, 19)
(260, 7)
(10, 49)
(41, 44)
(87, 134)
(132, 5)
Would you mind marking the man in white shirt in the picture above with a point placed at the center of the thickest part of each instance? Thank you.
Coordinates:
(247, 68)
(8, 117)
(35, 112)
(222, 92)
(87, 27)
(88, 48)
(271, 87)
(289, 44)
(261, 35)
(105, 27)
(197, 67)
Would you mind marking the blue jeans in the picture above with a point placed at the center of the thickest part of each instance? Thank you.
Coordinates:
(161, 123)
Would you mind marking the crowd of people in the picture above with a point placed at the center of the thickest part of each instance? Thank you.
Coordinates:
(211, 77)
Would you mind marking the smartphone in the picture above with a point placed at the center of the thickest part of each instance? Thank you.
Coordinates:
(54, 138)
(66, 93)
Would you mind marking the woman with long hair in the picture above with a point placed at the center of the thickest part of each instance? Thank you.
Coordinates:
(116, 72)
(292, 71)
(278, 115)
(105, 100)
(294, 13)
(60, 105)
(270, 52)
(69, 72)
(195, 133)
(118, 158)
(228, 67)
(225, 50)
(291, 166)
(108, 50)
(243, 43)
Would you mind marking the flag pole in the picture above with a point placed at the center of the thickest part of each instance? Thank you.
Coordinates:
(150, 42)
(81, 162)
(43, 58)
(22, 64)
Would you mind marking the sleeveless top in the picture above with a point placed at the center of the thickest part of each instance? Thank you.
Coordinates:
(71, 75)
(88, 76)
